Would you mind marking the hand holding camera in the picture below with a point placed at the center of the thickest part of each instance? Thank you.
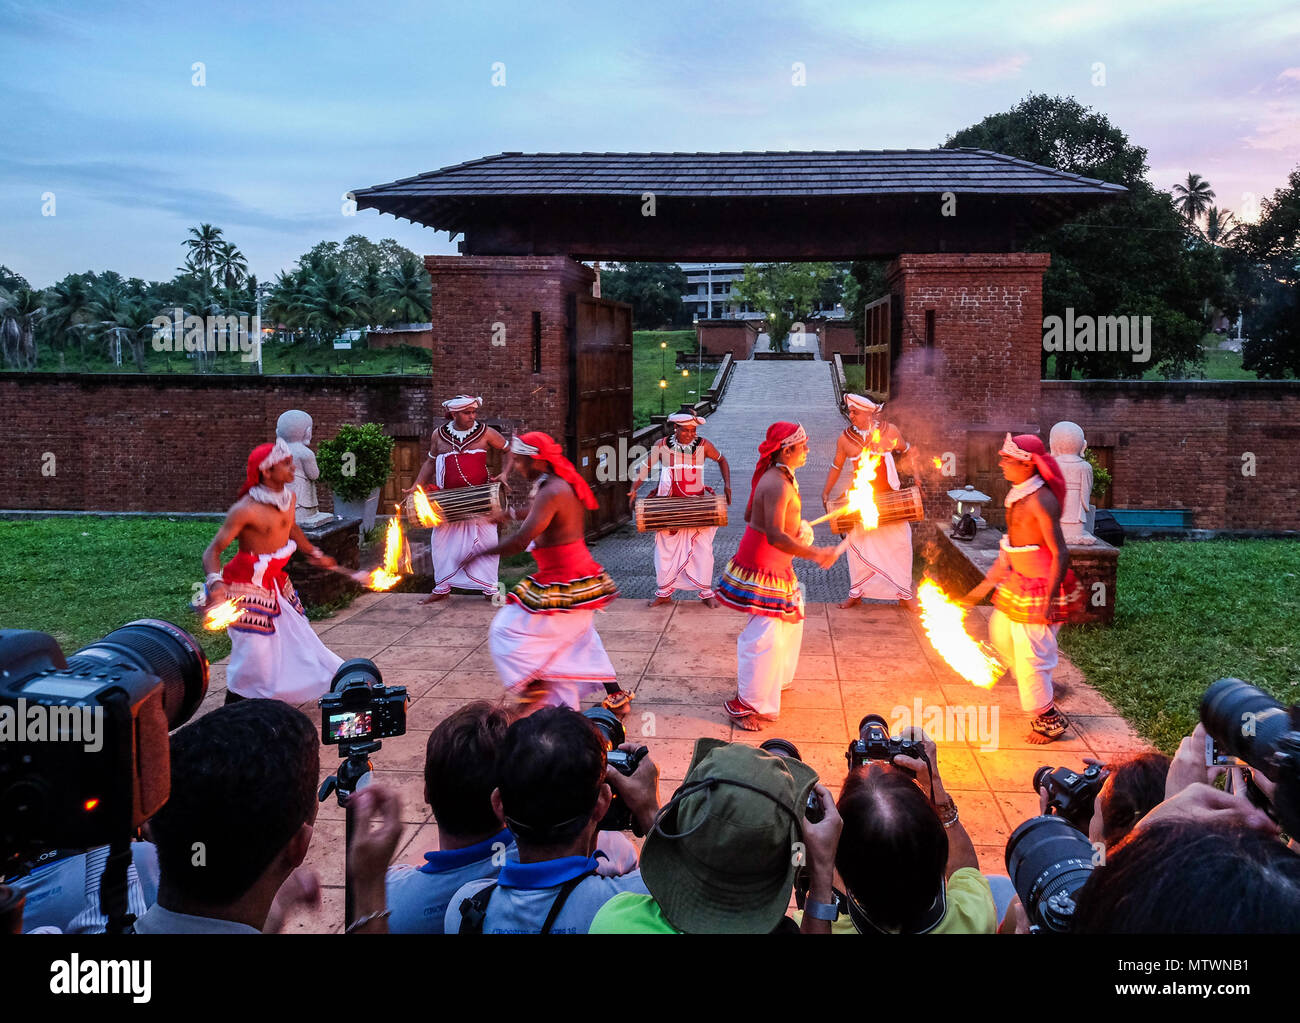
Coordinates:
(634, 777)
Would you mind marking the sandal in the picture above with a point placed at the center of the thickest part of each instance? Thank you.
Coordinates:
(1049, 726)
(742, 714)
(617, 701)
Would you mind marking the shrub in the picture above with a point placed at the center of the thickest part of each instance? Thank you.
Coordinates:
(356, 461)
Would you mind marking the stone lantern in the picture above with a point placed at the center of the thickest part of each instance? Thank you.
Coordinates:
(969, 500)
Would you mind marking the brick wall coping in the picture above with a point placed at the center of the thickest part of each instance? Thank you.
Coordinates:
(1179, 388)
(201, 381)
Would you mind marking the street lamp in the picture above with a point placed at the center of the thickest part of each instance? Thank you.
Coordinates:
(663, 389)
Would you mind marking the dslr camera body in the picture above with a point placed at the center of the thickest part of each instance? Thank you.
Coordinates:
(1072, 793)
(610, 729)
(359, 708)
(875, 744)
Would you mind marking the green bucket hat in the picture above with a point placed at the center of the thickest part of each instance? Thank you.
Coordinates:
(720, 857)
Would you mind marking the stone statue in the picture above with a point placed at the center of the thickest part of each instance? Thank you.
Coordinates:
(294, 428)
(1068, 445)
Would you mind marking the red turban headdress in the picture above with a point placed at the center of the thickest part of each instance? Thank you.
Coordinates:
(1025, 447)
(263, 457)
(779, 435)
(540, 446)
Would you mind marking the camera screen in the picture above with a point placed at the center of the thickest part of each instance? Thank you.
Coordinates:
(62, 687)
(349, 724)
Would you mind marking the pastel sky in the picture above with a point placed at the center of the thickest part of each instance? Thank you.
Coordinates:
(302, 101)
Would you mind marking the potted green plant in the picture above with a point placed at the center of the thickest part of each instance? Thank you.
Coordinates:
(355, 464)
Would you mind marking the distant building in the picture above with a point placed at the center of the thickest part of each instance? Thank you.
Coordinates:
(708, 293)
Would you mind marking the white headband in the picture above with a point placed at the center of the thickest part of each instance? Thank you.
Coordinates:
(461, 402)
(278, 454)
(686, 418)
(856, 401)
(1010, 449)
(798, 437)
(520, 448)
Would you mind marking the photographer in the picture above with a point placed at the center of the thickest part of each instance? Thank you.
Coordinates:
(719, 857)
(459, 776)
(908, 863)
(238, 822)
(552, 791)
(1133, 786)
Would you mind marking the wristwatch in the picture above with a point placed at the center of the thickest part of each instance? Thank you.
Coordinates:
(828, 911)
(947, 812)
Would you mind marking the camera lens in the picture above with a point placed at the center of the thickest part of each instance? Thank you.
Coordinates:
(1245, 721)
(1041, 776)
(1048, 862)
(782, 748)
(359, 671)
(873, 719)
(168, 651)
(608, 725)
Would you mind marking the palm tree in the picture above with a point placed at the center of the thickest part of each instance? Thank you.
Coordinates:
(407, 292)
(1221, 227)
(204, 246)
(1194, 198)
(230, 265)
(20, 311)
(68, 304)
(328, 302)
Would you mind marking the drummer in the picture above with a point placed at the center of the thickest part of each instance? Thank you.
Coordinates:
(683, 557)
(880, 559)
(458, 458)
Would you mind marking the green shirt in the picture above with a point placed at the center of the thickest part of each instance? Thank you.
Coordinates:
(630, 913)
(970, 907)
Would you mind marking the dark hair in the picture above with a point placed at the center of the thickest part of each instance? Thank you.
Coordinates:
(460, 768)
(893, 850)
(1133, 789)
(550, 768)
(243, 781)
(1180, 877)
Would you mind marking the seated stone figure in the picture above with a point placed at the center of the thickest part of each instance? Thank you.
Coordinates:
(294, 428)
(1067, 446)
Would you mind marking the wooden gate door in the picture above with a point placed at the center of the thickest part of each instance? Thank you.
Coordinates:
(600, 403)
(983, 471)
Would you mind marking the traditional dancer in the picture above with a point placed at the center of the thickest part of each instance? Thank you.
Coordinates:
(1036, 589)
(683, 557)
(273, 651)
(880, 559)
(543, 641)
(458, 458)
(760, 581)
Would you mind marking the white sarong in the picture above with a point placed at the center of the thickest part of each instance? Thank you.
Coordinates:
(684, 561)
(767, 654)
(454, 541)
(289, 664)
(560, 648)
(880, 562)
(1031, 652)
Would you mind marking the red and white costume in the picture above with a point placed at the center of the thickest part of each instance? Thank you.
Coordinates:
(274, 653)
(760, 581)
(683, 557)
(546, 631)
(880, 559)
(452, 542)
(1026, 619)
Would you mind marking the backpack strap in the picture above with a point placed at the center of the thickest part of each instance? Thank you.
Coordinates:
(561, 898)
(473, 910)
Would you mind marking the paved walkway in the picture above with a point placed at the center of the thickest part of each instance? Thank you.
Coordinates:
(760, 393)
(681, 662)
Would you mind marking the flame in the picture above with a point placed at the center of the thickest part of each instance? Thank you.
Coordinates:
(944, 621)
(383, 580)
(424, 511)
(395, 553)
(938, 462)
(861, 497)
(224, 614)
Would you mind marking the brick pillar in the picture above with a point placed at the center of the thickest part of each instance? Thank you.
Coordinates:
(485, 310)
(974, 365)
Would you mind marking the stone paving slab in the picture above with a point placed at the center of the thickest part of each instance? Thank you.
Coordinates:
(680, 660)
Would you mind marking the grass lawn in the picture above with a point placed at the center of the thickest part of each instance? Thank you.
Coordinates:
(277, 359)
(1188, 614)
(647, 359)
(80, 578)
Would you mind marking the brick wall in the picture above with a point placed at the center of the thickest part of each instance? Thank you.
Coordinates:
(123, 442)
(483, 340)
(720, 337)
(1180, 445)
(838, 338)
(394, 338)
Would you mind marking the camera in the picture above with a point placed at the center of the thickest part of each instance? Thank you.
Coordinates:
(619, 815)
(359, 708)
(1253, 727)
(874, 743)
(1048, 861)
(1072, 793)
(84, 749)
(815, 811)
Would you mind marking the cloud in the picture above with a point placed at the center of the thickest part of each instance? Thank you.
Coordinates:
(1278, 128)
